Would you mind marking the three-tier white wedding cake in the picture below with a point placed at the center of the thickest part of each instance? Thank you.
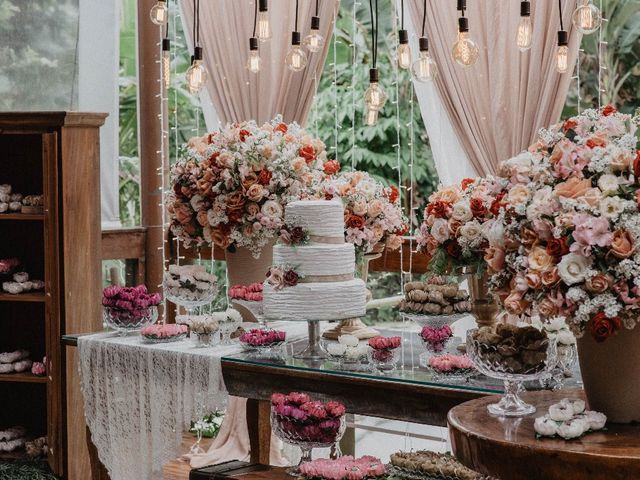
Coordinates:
(327, 289)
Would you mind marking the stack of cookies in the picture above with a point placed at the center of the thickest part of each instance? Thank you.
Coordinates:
(434, 296)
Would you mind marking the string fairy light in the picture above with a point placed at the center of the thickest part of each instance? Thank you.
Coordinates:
(334, 64)
(354, 59)
(602, 46)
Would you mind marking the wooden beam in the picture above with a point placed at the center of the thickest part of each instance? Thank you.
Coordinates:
(123, 243)
(150, 141)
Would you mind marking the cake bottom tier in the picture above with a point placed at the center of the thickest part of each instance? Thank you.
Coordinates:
(316, 301)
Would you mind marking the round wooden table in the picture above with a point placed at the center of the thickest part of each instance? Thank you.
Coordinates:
(508, 449)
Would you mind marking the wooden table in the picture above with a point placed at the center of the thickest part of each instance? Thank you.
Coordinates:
(508, 448)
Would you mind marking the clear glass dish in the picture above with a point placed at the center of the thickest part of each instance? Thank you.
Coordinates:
(383, 361)
(173, 338)
(190, 299)
(491, 362)
(434, 321)
(127, 321)
(458, 375)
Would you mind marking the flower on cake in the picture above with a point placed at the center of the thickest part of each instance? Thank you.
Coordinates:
(294, 235)
(283, 276)
(457, 220)
(569, 246)
(230, 186)
(373, 214)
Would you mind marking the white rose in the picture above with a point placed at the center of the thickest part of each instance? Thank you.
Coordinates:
(494, 233)
(462, 211)
(565, 337)
(271, 209)
(608, 183)
(471, 230)
(440, 230)
(611, 207)
(573, 268)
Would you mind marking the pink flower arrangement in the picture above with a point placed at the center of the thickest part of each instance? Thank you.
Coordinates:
(373, 213)
(343, 468)
(450, 363)
(283, 276)
(263, 337)
(436, 338)
(300, 418)
(165, 331)
(293, 235)
(567, 237)
(231, 187)
(252, 292)
(129, 304)
(452, 233)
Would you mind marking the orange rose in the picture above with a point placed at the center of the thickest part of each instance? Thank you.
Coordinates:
(573, 188)
(547, 308)
(308, 153)
(550, 278)
(201, 217)
(355, 221)
(599, 139)
(533, 280)
(220, 239)
(599, 283)
(608, 110)
(540, 260)
(622, 244)
(528, 237)
(454, 226)
(235, 202)
(249, 179)
(495, 258)
(602, 327)
(265, 176)
(514, 304)
(281, 127)
(255, 192)
(183, 213)
(331, 167)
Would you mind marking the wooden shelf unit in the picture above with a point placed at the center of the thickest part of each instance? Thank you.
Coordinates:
(55, 154)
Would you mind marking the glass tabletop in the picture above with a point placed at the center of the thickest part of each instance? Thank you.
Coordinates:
(409, 369)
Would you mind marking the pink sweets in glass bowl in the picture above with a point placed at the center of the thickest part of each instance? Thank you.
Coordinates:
(159, 333)
(382, 353)
(129, 309)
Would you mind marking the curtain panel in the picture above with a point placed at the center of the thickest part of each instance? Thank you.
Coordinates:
(497, 105)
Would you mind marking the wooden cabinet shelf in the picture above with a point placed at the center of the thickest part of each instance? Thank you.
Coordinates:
(23, 297)
(22, 216)
(22, 378)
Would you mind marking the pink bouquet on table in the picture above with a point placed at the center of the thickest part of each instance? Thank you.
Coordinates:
(566, 244)
(372, 212)
(436, 338)
(304, 420)
(343, 468)
(252, 292)
(129, 304)
(383, 347)
(452, 234)
(263, 337)
(231, 187)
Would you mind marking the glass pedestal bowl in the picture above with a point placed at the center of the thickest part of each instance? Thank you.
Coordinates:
(513, 366)
(307, 434)
(190, 299)
(383, 361)
(129, 321)
(434, 321)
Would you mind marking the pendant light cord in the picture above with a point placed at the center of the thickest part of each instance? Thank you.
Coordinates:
(195, 16)
(255, 18)
(198, 20)
(401, 14)
(166, 31)
(424, 16)
(318, 8)
(560, 14)
(296, 26)
(374, 30)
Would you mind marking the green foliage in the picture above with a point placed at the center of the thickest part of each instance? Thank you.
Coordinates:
(34, 470)
(38, 54)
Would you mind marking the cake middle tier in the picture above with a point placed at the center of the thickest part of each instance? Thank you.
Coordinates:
(316, 301)
(323, 259)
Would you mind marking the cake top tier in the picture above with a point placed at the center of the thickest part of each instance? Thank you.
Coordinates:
(324, 219)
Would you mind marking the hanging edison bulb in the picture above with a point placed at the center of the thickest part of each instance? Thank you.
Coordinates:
(587, 18)
(253, 62)
(404, 52)
(314, 41)
(263, 25)
(562, 52)
(424, 68)
(166, 63)
(465, 51)
(197, 74)
(374, 97)
(296, 59)
(371, 116)
(159, 13)
(524, 38)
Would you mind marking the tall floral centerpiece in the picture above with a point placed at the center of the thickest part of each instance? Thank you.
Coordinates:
(566, 245)
(453, 236)
(231, 186)
(373, 222)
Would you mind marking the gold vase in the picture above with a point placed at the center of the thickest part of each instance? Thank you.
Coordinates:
(483, 306)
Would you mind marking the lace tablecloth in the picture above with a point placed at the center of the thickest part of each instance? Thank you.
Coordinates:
(140, 397)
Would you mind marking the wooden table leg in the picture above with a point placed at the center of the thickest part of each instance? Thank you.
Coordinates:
(259, 424)
(98, 472)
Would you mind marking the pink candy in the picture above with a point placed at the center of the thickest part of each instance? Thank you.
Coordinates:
(8, 264)
(251, 292)
(384, 343)
(436, 338)
(129, 304)
(259, 338)
(164, 331)
(343, 468)
(448, 363)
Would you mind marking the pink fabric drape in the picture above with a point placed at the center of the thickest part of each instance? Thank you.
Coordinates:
(238, 94)
(497, 105)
